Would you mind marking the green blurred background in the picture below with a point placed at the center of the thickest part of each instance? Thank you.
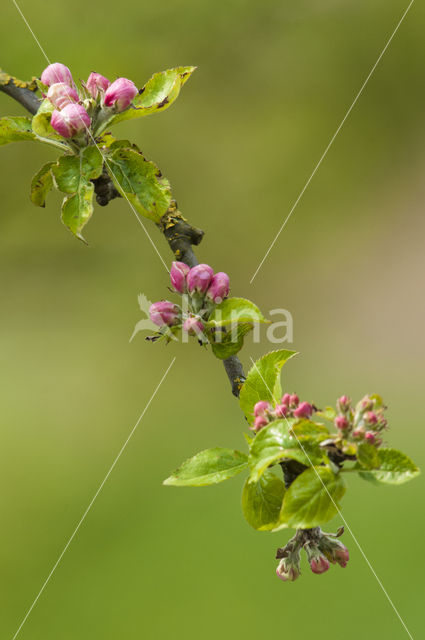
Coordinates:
(275, 78)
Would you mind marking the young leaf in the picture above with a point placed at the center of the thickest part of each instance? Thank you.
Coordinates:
(328, 413)
(41, 184)
(77, 209)
(312, 498)
(262, 501)
(226, 343)
(71, 169)
(368, 455)
(73, 175)
(394, 468)
(263, 381)
(235, 311)
(158, 94)
(15, 130)
(141, 181)
(208, 467)
(276, 442)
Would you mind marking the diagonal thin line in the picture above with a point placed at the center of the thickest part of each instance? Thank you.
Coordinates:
(338, 510)
(32, 32)
(45, 583)
(105, 160)
(332, 140)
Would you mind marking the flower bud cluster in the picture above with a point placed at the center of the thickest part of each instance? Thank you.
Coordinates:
(201, 290)
(75, 112)
(363, 422)
(288, 407)
(322, 549)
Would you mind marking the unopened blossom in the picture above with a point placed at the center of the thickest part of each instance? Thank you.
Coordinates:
(60, 94)
(370, 437)
(286, 399)
(96, 83)
(164, 313)
(261, 408)
(288, 569)
(281, 411)
(199, 278)
(359, 432)
(120, 94)
(304, 410)
(343, 403)
(293, 400)
(341, 422)
(370, 417)
(71, 120)
(334, 550)
(219, 287)
(56, 72)
(259, 423)
(193, 326)
(178, 273)
(319, 564)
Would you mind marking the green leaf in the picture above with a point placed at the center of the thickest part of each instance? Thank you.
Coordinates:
(262, 501)
(73, 175)
(328, 413)
(71, 169)
(208, 467)
(77, 209)
(263, 381)
(305, 427)
(226, 343)
(235, 311)
(15, 130)
(276, 442)
(311, 498)
(141, 181)
(41, 184)
(368, 455)
(41, 122)
(394, 468)
(158, 94)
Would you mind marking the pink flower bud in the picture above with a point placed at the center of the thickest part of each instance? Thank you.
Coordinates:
(370, 437)
(56, 72)
(286, 399)
(199, 278)
(359, 432)
(342, 556)
(71, 120)
(294, 400)
(96, 83)
(341, 422)
(319, 564)
(371, 417)
(120, 94)
(193, 326)
(178, 273)
(281, 411)
(288, 571)
(365, 404)
(261, 408)
(60, 94)
(164, 313)
(343, 403)
(219, 287)
(333, 549)
(304, 410)
(259, 423)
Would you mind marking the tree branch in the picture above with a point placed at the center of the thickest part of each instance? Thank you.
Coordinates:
(22, 92)
(180, 236)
